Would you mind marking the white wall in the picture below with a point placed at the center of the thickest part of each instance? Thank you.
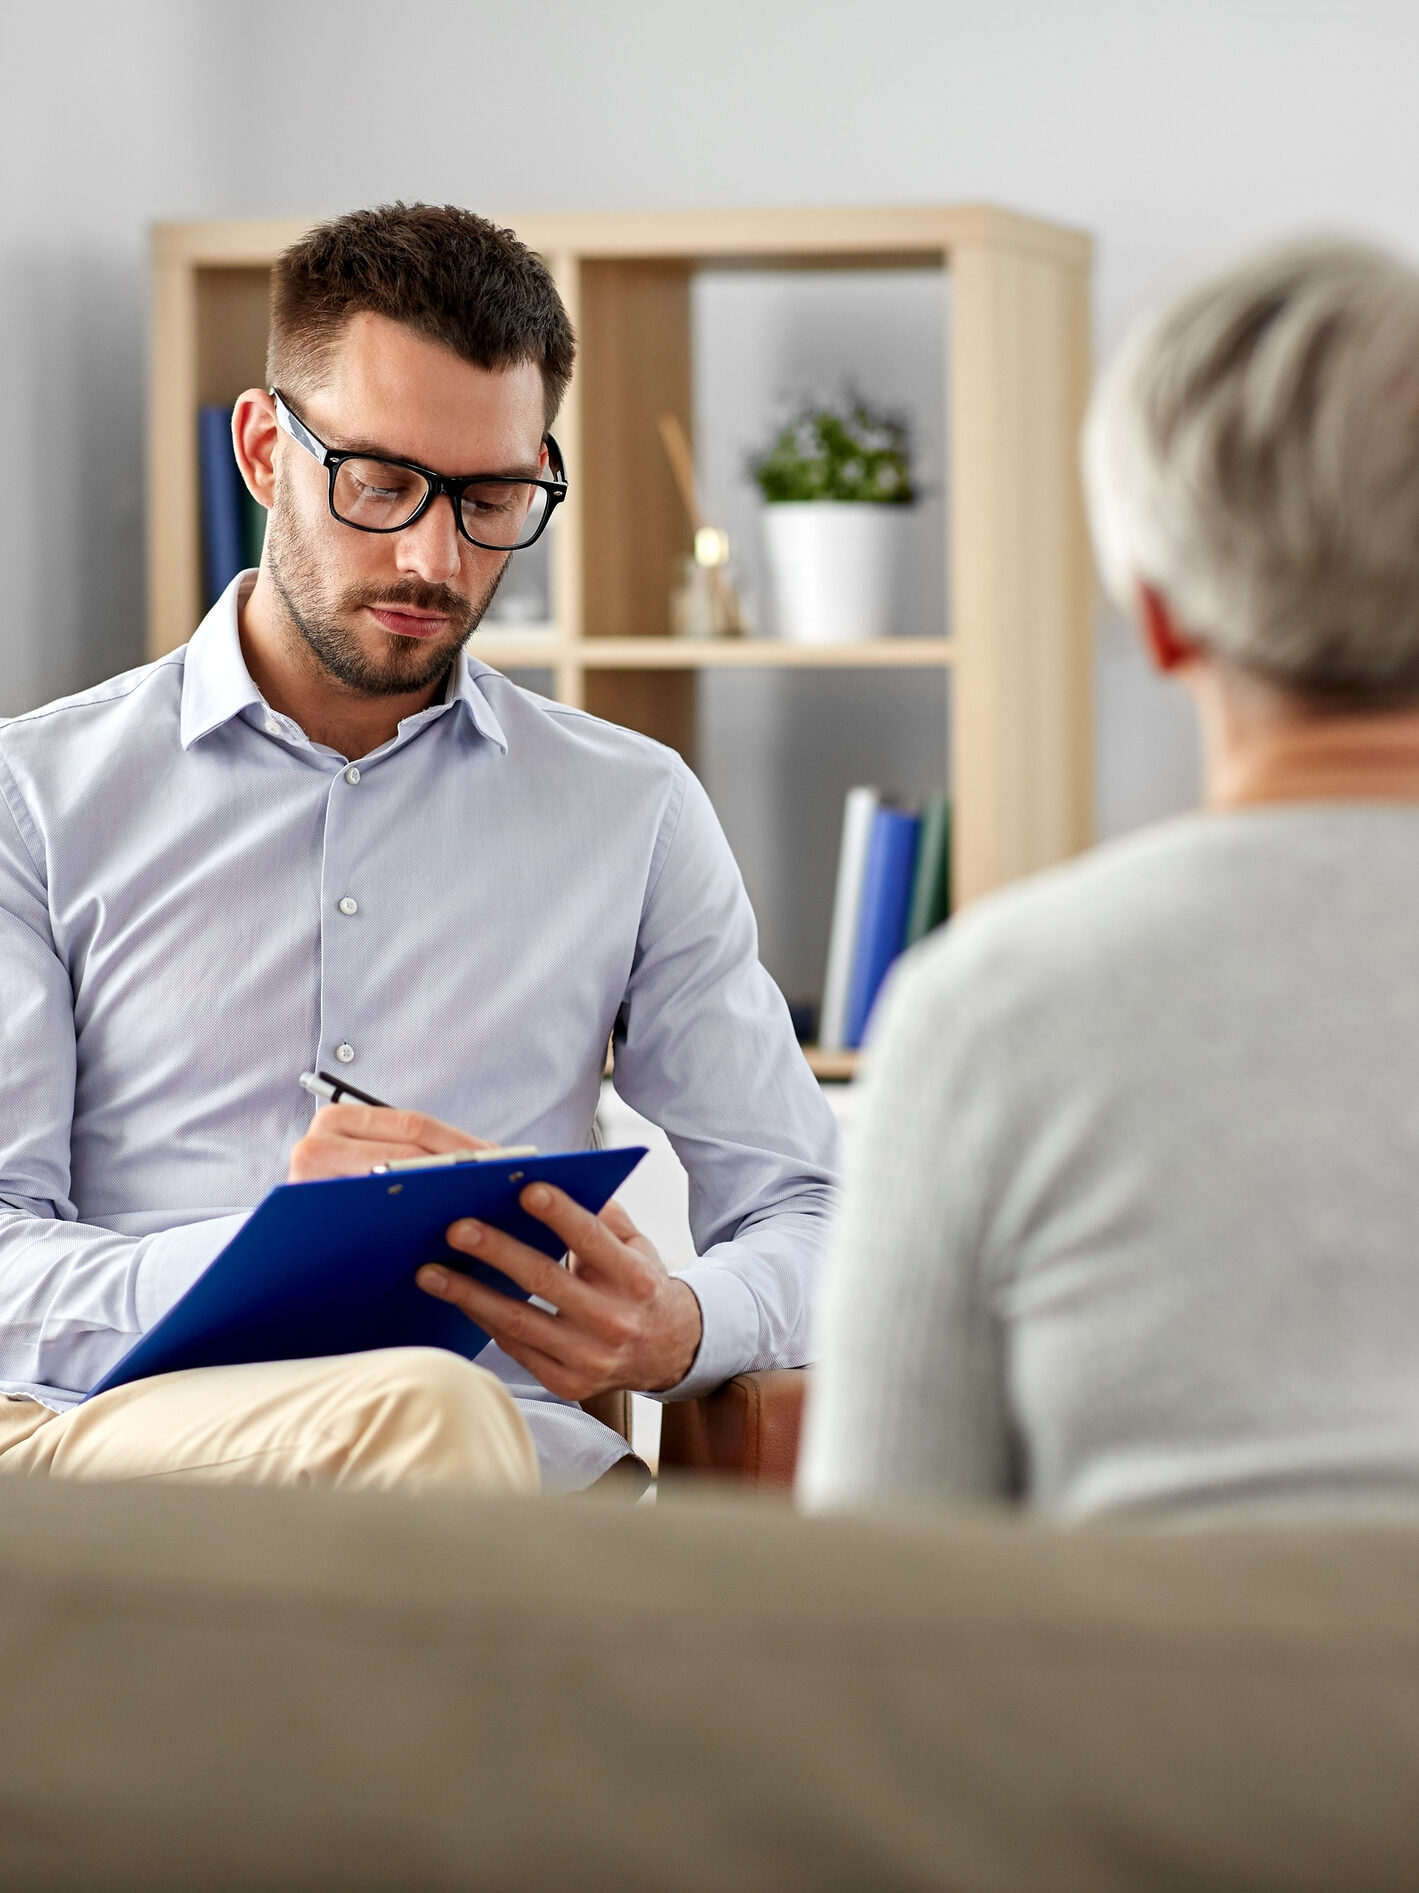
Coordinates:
(1177, 133)
(106, 121)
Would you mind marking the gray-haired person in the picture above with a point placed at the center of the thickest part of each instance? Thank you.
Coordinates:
(1138, 1170)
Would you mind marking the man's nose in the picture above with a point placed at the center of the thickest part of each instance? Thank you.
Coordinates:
(430, 547)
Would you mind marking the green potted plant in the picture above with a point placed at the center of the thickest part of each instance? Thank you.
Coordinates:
(836, 481)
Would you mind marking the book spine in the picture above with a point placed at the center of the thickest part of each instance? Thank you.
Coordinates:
(882, 924)
(859, 808)
(931, 889)
(221, 482)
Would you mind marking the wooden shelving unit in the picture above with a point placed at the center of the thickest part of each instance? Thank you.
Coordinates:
(1019, 575)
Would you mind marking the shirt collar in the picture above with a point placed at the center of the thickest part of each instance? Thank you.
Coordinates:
(463, 688)
(217, 686)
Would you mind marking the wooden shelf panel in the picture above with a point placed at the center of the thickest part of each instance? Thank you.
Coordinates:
(524, 647)
(759, 654)
(830, 1065)
(815, 233)
(541, 648)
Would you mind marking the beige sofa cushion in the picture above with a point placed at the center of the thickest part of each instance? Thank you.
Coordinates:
(248, 1690)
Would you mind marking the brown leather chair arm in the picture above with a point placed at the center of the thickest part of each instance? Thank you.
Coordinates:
(612, 1409)
(746, 1430)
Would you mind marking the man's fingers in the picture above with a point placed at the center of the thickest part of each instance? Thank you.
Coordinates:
(618, 1222)
(516, 1325)
(379, 1123)
(568, 1383)
(350, 1139)
(502, 1315)
(496, 1314)
(521, 1263)
(593, 1239)
(316, 1157)
(625, 1323)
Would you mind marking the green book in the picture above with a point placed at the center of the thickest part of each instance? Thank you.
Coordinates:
(253, 528)
(931, 886)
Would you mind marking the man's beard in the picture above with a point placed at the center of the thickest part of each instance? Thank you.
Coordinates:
(324, 621)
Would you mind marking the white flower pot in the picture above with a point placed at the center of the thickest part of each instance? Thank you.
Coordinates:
(833, 564)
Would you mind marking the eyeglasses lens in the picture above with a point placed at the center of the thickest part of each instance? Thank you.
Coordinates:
(381, 496)
(376, 494)
(504, 514)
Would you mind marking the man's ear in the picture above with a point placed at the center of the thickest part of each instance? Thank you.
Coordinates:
(254, 443)
(1169, 647)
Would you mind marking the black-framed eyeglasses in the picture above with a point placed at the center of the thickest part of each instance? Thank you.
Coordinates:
(501, 512)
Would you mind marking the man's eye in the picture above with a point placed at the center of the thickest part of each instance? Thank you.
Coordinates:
(496, 501)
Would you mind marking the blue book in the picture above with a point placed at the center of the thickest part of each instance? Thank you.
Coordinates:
(882, 920)
(328, 1267)
(223, 540)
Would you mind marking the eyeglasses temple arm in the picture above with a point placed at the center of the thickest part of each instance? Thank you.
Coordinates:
(297, 428)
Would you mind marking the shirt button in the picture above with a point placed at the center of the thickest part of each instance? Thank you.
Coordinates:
(349, 905)
(273, 728)
(352, 775)
(344, 1053)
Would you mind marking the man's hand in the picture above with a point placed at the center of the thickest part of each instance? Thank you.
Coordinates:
(622, 1320)
(348, 1140)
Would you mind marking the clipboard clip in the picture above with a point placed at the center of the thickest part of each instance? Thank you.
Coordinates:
(448, 1159)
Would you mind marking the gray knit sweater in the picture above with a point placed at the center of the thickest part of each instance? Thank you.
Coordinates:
(1132, 1212)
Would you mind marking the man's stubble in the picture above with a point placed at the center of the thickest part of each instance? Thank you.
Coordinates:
(324, 619)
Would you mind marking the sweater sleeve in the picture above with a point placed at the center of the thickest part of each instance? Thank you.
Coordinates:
(909, 1402)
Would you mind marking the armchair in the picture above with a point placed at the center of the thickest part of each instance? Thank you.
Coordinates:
(746, 1431)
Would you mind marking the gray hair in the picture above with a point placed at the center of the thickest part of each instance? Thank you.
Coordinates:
(1252, 454)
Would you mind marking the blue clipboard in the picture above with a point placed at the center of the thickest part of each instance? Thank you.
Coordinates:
(328, 1267)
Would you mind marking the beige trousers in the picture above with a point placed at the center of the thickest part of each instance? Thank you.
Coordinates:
(408, 1418)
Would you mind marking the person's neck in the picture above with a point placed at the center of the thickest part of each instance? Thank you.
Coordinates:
(1263, 744)
(295, 683)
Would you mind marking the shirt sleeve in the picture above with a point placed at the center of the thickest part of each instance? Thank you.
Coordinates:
(73, 1297)
(704, 1047)
(909, 1401)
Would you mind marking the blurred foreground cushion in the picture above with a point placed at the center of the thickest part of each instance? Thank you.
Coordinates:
(241, 1689)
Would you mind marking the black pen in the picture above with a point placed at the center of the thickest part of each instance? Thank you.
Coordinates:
(330, 1090)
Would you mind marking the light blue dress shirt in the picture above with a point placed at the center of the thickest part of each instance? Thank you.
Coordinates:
(197, 903)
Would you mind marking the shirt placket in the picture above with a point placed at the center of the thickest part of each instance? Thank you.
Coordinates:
(345, 917)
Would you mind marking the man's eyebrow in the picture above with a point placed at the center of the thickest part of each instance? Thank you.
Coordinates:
(534, 471)
(369, 451)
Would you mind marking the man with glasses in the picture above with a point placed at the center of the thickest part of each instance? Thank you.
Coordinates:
(323, 835)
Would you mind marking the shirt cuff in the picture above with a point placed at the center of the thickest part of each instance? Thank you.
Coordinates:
(173, 1260)
(730, 1337)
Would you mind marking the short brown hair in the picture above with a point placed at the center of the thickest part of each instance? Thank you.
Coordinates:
(453, 276)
